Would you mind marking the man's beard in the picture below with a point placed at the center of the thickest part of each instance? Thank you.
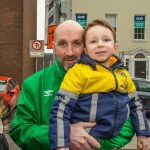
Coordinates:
(74, 59)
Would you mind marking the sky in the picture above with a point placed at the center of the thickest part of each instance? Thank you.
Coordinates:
(40, 19)
(41, 23)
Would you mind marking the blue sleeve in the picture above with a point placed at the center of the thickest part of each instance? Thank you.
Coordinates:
(138, 117)
(59, 128)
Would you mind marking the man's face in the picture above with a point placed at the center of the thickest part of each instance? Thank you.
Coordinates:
(68, 45)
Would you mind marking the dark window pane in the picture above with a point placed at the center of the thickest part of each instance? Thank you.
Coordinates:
(142, 36)
(50, 19)
(51, 5)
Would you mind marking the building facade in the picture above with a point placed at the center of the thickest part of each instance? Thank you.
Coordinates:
(18, 19)
(17, 27)
(131, 19)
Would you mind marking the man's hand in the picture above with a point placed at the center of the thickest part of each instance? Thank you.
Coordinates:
(142, 143)
(80, 139)
(63, 149)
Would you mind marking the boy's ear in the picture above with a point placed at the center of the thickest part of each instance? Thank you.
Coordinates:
(116, 47)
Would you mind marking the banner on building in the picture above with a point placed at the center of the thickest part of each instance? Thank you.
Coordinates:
(139, 21)
(50, 37)
(36, 48)
(82, 19)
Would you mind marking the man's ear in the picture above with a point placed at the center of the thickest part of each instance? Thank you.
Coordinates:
(53, 46)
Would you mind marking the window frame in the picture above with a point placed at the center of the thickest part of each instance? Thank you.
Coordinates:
(139, 32)
(112, 19)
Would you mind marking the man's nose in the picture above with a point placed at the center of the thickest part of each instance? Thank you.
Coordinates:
(69, 51)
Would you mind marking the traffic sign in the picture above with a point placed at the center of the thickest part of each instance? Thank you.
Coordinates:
(36, 48)
(36, 45)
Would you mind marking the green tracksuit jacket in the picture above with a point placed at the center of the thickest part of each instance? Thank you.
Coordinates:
(30, 125)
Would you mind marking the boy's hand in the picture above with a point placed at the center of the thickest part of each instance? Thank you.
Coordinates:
(142, 143)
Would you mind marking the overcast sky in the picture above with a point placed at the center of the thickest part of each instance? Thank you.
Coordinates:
(41, 23)
(40, 19)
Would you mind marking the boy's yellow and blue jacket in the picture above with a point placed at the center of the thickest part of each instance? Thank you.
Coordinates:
(92, 92)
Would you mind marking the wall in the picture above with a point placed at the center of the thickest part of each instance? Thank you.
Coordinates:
(17, 27)
(29, 33)
(125, 11)
(11, 35)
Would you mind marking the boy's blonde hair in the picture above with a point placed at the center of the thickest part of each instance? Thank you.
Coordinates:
(100, 22)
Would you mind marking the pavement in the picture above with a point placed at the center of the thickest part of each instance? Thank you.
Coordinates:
(12, 145)
(133, 144)
(130, 146)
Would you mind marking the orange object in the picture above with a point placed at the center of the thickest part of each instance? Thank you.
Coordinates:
(50, 37)
(9, 90)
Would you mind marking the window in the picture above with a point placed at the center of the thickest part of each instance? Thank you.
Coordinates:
(51, 19)
(111, 19)
(139, 55)
(13, 82)
(2, 85)
(139, 27)
(10, 86)
(143, 86)
(51, 5)
(127, 64)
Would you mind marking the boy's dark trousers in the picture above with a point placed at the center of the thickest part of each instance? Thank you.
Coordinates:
(3, 143)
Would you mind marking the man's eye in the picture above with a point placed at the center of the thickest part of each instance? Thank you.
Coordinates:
(62, 44)
(77, 44)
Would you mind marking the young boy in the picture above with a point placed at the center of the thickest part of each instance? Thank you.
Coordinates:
(98, 89)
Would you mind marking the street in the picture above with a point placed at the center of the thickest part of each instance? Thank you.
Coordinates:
(131, 145)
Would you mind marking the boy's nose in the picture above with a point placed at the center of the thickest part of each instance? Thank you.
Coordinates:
(100, 43)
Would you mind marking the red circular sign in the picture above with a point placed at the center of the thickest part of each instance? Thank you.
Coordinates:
(37, 45)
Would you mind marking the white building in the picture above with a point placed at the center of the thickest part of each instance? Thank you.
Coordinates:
(129, 18)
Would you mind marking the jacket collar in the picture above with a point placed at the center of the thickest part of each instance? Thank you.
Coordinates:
(85, 59)
(115, 61)
(60, 71)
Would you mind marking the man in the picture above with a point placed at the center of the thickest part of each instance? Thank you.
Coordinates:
(30, 125)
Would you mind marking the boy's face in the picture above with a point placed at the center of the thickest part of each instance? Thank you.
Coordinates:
(100, 44)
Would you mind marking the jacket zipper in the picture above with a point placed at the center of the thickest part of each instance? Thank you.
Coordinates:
(117, 101)
(113, 75)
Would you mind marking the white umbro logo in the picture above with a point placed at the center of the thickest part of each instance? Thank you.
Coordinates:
(48, 93)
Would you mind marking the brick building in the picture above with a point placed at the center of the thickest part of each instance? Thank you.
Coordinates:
(17, 27)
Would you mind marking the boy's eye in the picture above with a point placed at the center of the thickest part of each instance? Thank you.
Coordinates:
(107, 39)
(93, 41)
